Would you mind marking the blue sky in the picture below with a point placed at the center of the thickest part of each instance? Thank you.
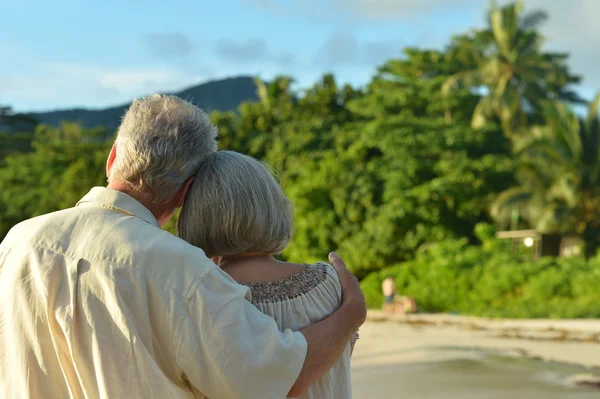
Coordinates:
(66, 53)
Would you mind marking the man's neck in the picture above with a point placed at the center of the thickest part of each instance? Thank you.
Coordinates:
(157, 210)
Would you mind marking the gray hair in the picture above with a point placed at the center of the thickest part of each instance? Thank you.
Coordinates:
(161, 142)
(235, 206)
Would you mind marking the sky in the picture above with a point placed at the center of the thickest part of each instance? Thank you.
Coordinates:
(80, 53)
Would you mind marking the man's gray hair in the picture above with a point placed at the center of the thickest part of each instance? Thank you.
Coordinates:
(160, 144)
(236, 206)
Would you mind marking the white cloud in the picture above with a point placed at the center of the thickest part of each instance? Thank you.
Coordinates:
(572, 28)
(397, 9)
(313, 8)
(169, 45)
(343, 48)
(71, 84)
(350, 52)
(362, 9)
(253, 49)
(123, 80)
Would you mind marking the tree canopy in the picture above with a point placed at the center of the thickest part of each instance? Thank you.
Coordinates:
(438, 141)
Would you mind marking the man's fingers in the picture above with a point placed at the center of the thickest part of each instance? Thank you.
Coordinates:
(340, 267)
(350, 287)
(336, 261)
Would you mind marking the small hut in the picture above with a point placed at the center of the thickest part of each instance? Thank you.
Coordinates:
(542, 244)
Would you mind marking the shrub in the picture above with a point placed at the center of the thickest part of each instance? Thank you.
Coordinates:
(490, 280)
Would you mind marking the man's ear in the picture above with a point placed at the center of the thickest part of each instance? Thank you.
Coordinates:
(183, 192)
(111, 159)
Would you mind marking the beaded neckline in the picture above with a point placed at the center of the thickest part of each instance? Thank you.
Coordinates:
(290, 287)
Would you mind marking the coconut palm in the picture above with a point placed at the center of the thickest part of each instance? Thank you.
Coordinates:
(559, 175)
(510, 69)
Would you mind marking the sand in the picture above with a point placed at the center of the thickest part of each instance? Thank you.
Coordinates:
(443, 360)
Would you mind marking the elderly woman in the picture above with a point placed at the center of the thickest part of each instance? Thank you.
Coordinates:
(237, 213)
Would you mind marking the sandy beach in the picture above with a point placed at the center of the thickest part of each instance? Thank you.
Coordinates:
(405, 359)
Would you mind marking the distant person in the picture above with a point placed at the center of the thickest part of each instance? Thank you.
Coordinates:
(238, 214)
(97, 301)
(405, 304)
(389, 294)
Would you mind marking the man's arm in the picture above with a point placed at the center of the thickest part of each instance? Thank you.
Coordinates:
(328, 338)
(227, 348)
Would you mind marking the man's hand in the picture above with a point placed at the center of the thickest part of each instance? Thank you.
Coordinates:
(352, 295)
(328, 338)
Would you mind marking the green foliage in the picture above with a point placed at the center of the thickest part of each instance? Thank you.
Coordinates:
(402, 172)
(559, 176)
(404, 183)
(489, 280)
(507, 61)
(14, 143)
(63, 165)
(375, 174)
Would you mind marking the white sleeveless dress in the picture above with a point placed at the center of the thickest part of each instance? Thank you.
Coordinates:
(303, 299)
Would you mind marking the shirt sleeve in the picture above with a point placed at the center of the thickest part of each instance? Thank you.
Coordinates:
(227, 348)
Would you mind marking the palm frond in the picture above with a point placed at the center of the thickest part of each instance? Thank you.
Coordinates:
(563, 129)
(533, 19)
(465, 79)
(556, 218)
(516, 197)
(592, 112)
(565, 189)
(261, 90)
(525, 142)
(482, 113)
(505, 26)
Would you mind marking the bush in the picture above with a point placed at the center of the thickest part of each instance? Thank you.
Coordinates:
(490, 280)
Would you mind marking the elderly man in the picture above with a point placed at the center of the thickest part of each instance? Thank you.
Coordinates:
(97, 301)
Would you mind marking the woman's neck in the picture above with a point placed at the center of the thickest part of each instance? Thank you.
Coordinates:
(247, 257)
(253, 267)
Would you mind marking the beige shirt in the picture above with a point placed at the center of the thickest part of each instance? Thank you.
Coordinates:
(96, 301)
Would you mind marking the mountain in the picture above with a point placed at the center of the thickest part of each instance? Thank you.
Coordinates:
(221, 95)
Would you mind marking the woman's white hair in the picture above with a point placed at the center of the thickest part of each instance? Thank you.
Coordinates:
(236, 206)
(160, 144)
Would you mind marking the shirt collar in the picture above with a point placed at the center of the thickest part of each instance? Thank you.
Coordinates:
(117, 201)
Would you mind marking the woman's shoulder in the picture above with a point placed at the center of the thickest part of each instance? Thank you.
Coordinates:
(326, 269)
(313, 279)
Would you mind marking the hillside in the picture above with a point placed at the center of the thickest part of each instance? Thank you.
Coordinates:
(222, 95)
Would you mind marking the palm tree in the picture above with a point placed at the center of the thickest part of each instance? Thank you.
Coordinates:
(559, 175)
(510, 70)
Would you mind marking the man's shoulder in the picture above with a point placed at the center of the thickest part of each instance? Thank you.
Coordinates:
(25, 232)
(115, 241)
(161, 243)
(130, 242)
(170, 259)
